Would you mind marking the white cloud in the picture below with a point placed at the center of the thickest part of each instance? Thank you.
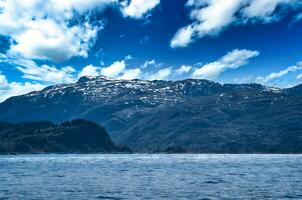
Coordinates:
(148, 63)
(183, 69)
(232, 60)
(138, 8)
(162, 74)
(48, 74)
(183, 37)
(261, 9)
(44, 73)
(42, 30)
(210, 17)
(276, 75)
(3, 80)
(151, 63)
(9, 89)
(114, 70)
(128, 57)
(244, 79)
(269, 10)
(131, 74)
(90, 70)
(299, 77)
(49, 41)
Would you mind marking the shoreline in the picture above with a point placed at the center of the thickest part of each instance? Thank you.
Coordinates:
(137, 153)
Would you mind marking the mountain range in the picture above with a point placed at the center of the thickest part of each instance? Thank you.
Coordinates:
(188, 115)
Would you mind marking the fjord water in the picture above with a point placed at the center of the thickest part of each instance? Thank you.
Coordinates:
(162, 176)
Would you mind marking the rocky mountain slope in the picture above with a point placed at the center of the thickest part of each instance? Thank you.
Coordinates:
(195, 115)
(77, 136)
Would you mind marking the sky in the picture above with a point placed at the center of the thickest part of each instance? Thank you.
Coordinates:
(47, 42)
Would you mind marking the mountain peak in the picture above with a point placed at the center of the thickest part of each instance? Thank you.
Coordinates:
(84, 79)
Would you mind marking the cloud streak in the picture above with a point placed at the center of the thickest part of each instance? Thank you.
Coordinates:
(231, 60)
(277, 75)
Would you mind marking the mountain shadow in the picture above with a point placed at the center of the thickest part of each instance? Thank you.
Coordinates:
(77, 136)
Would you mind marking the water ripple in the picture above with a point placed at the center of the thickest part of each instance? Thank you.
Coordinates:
(119, 177)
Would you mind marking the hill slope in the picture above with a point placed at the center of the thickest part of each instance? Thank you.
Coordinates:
(229, 123)
(78, 136)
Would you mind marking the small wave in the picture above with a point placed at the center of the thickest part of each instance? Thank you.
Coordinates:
(214, 181)
(292, 196)
(108, 197)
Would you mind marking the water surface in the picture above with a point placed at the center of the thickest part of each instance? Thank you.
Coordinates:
(151, 177)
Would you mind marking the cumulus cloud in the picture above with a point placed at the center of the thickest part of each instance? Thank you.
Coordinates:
(54, 75)
(231, 60)
(299, 77)
(8, 89)
(277, 75)
(90, 70)
(131, 74)
(42, 29)
(151, 63)
(138, 8)
(49, 41)
(183, 69)
(183, 37)
(58, 30)
(210, 17)
(161, 74)
(114, 70)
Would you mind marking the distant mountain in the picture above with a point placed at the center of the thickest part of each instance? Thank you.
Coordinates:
(233, 122)
(188, 115)
(77, 136)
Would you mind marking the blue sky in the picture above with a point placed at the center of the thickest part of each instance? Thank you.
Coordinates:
(237, 41)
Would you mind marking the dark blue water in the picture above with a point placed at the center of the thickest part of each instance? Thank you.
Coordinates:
(151, 177)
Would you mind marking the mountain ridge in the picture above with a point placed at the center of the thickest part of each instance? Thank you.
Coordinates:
(138, 113)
